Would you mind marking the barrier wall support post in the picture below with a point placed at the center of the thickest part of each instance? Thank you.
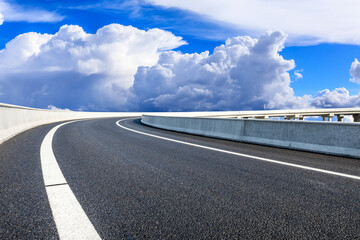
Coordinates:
(356, 117)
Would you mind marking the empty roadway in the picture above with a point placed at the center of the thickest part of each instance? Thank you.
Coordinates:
(134, 186)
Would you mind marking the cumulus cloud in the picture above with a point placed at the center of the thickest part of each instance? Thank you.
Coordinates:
(355, 71)
(79, 70)
(338, 98)
(122, 68)
(306, 21)
(1, 19)
(14, 13)
(244, 73)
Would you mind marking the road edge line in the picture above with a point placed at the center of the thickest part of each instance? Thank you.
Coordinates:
(244, 155)
(70, 219)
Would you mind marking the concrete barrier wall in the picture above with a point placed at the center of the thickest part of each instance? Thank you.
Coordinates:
(16, 119)
(333, 138)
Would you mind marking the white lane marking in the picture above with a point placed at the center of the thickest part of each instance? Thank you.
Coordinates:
(70, 219)
(243, 155)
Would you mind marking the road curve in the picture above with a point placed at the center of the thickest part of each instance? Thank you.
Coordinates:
(134, 186)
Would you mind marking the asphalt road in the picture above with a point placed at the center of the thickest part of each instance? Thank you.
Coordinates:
(133, 186)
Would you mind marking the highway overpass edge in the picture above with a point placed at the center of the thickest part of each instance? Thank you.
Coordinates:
(17, 119)
(333, 138)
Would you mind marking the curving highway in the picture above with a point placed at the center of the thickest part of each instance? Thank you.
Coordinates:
(125, 180)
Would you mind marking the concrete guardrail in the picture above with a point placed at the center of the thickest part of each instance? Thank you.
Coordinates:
(293, 114)
(335, 138)
(16, 119)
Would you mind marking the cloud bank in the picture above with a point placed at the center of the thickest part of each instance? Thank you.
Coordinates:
(15, 13)
(74, 69)
(122, 68)
(306, 21)
(244, 73)
(338, 98)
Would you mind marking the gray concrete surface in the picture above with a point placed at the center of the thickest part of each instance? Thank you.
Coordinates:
(334, 138)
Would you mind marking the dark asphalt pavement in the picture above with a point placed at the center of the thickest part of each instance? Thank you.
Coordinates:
(24, 208)
(133, 186)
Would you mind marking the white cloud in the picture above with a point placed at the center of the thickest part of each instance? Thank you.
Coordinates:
(306, 21)
(245, 73)
(123, 68)
(298, 74)
(338, 98)
(1, 18)
(14, 13)
(348, 118)
(83, 69)
(53, 108)
(355, 71)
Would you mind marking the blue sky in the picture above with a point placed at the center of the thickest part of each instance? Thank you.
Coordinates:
(313, 53)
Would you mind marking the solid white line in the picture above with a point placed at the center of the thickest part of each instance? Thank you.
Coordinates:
(243, 155)
(70, 219)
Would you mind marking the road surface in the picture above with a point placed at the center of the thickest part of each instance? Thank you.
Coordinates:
(135, 186)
